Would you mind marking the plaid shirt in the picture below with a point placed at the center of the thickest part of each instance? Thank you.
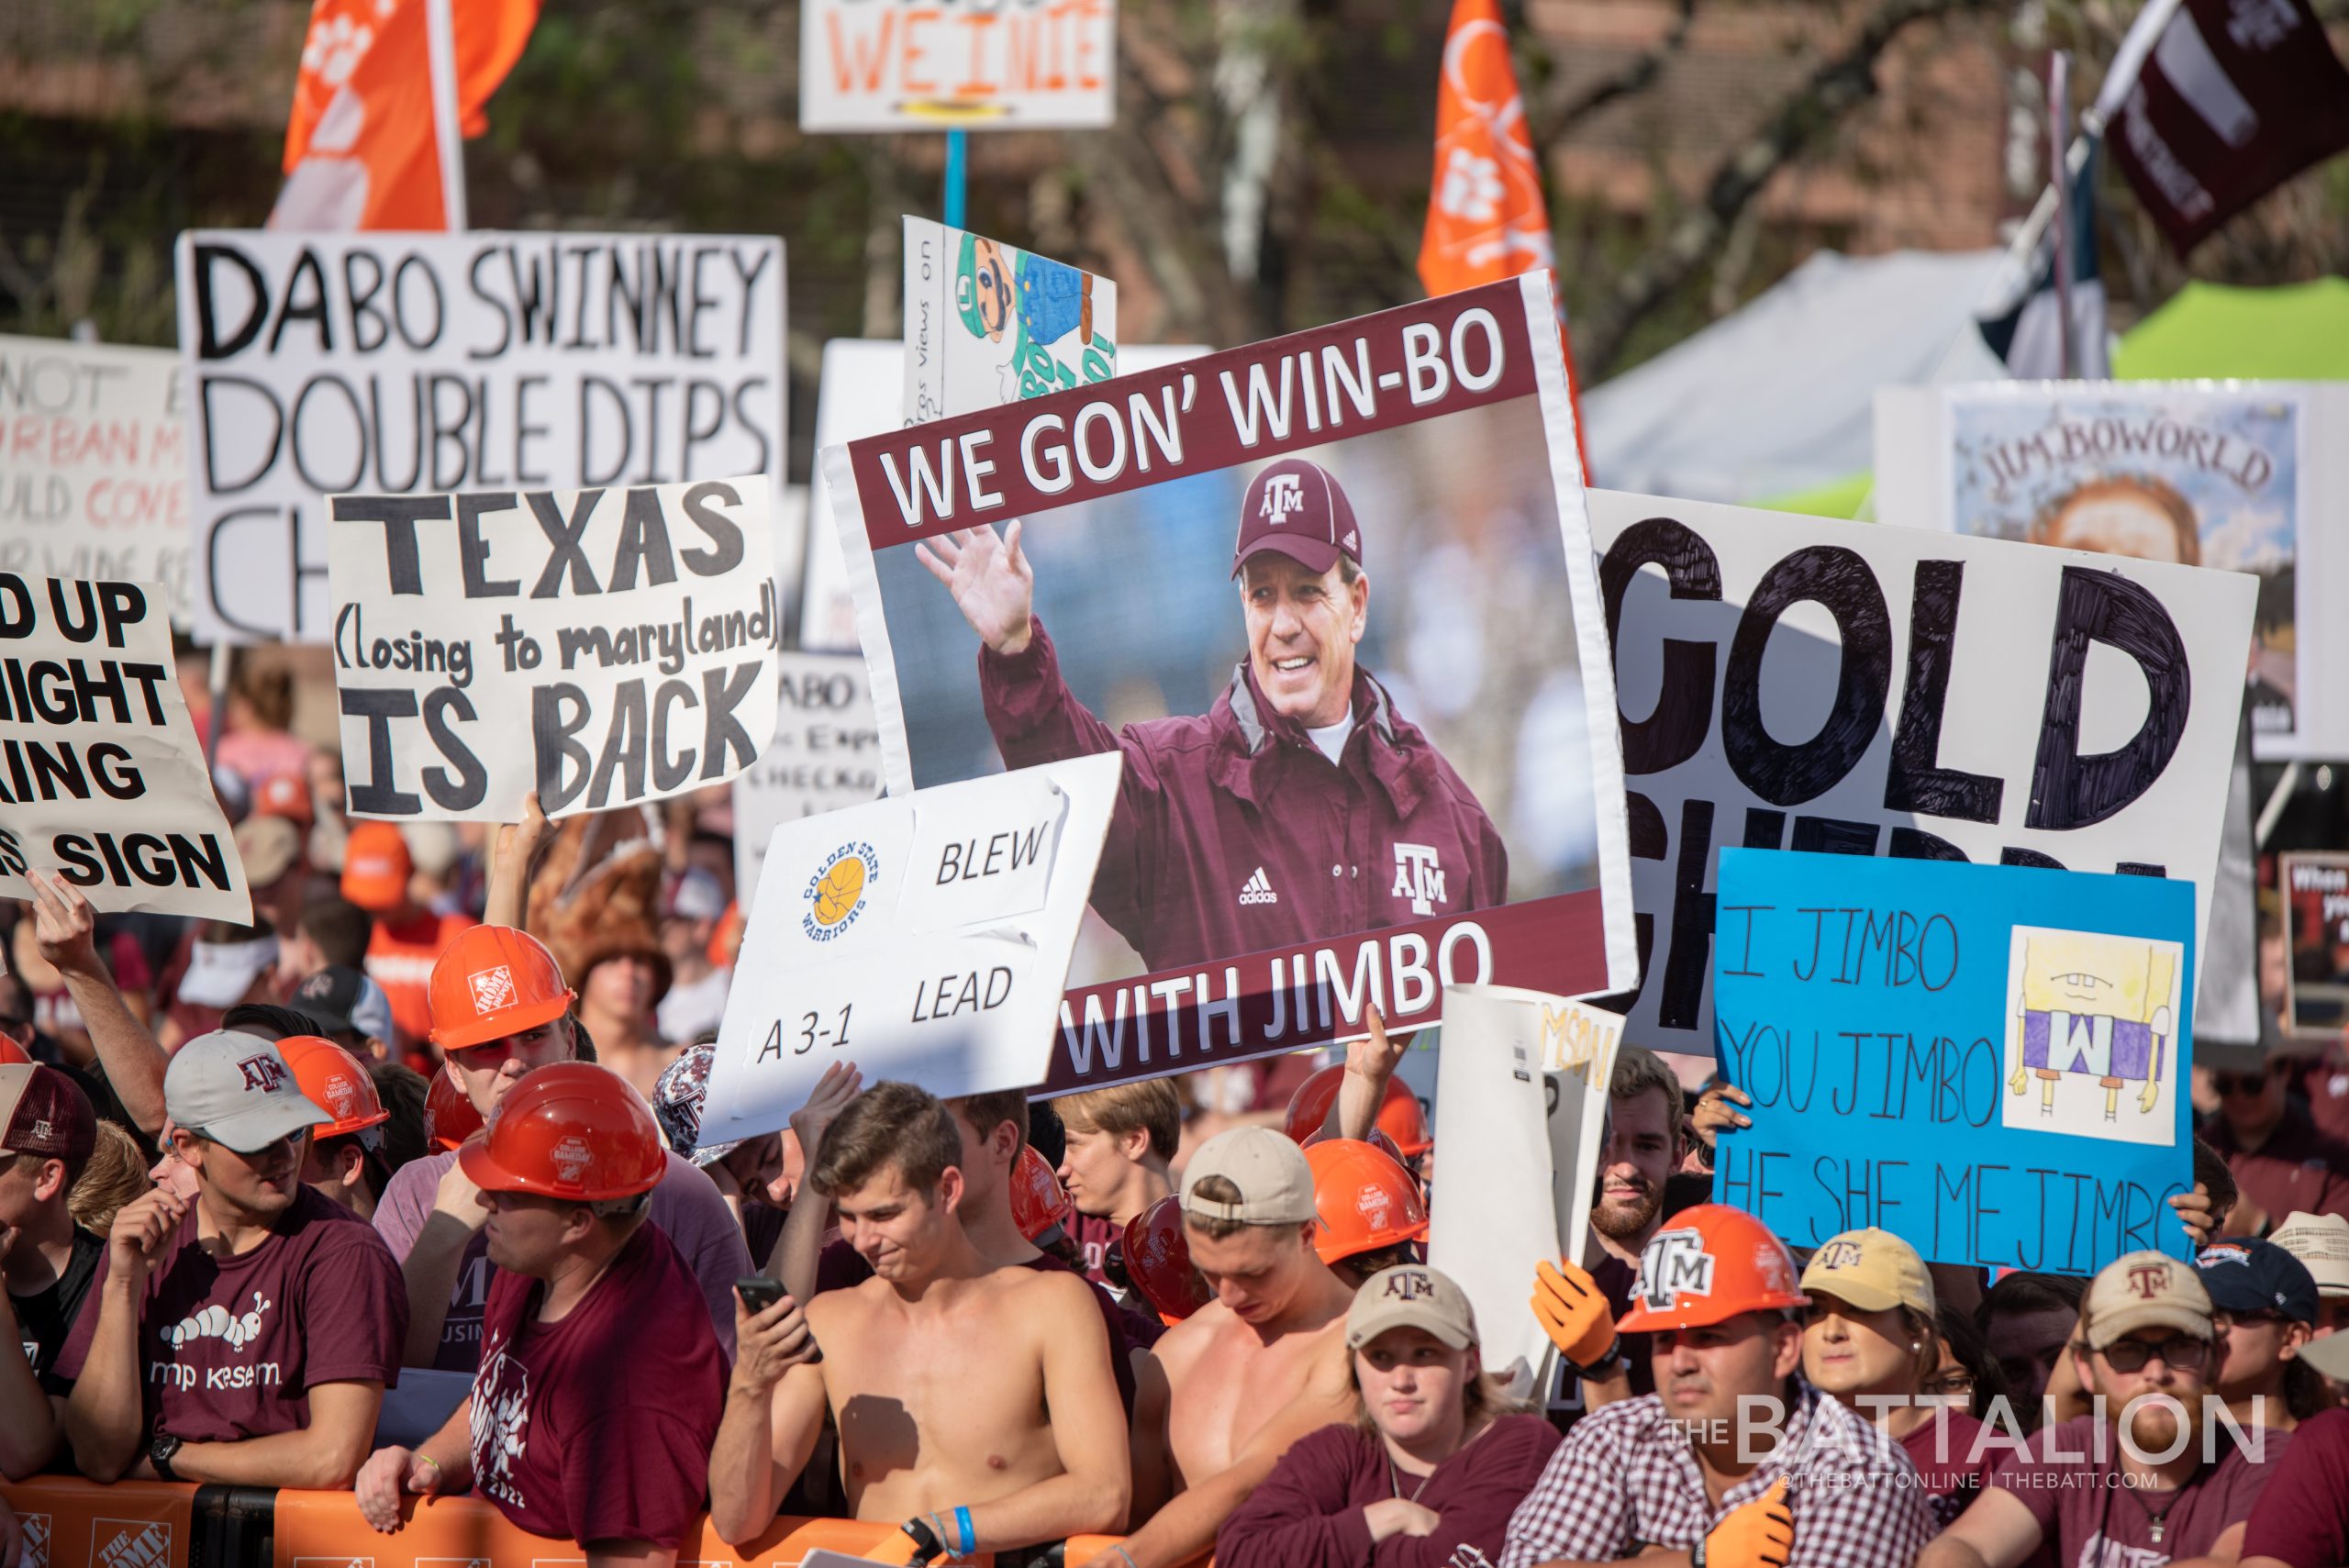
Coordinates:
(1625, 1479)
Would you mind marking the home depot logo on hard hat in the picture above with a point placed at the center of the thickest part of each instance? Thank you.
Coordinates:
(1674, 1262)
(492, 988)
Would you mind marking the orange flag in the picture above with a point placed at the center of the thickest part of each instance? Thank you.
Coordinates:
(361, 150)
(1487, 219)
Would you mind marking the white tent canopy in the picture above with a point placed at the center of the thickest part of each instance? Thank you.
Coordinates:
(1778, 396)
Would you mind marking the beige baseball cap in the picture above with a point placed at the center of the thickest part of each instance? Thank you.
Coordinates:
(2321, 1241)
(2140, 1290)
(1275, 1184)
(1873, 1270)
(1410, 1296)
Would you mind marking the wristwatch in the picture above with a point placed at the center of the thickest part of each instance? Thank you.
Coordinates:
(160, 1452)
(1614, 1355)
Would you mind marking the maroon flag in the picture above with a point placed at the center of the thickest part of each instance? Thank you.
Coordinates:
(2237, 96)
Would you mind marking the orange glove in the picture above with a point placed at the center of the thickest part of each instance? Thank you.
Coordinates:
(1759, 1534)
(1572, 1311)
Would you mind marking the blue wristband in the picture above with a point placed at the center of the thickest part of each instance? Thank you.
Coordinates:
(969, 1538)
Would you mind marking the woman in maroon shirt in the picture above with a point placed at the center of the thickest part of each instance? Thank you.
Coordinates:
(1430, 1472)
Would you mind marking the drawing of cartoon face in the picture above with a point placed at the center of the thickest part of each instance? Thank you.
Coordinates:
(991, 286)
(2086, 973)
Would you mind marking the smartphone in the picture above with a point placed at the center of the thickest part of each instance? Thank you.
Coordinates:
(759, 1293)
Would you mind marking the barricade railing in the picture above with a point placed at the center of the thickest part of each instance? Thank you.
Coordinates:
(73, 1523)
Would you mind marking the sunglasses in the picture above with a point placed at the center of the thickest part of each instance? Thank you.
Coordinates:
(2181, 1354)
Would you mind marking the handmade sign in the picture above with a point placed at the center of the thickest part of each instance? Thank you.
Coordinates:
(102, 779)
(1791, 683)
(1331, 597)
(420, 364)
(826, 753)
(988, 323)
(2239, 477)
(2316, 936)
(1990, 1062)
(925, 936)
(601, 647)
(93, 465)
(930, 64)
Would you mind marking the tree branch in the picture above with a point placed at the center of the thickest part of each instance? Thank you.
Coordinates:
(1835, 89)
(1554, 111)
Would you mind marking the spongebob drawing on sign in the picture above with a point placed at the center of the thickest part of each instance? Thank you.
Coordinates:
(2085, 1006)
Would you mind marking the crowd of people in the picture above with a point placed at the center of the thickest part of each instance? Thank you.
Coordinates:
(406, 1190)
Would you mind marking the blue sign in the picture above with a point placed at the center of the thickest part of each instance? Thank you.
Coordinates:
(1990, 1062)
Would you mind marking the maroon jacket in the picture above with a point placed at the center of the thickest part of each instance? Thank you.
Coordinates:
(1234, 834)
(1308, 1512)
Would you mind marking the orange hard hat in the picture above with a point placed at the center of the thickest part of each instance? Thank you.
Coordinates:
(1363, 1200)
(1377, 1139)
(1158, 1262)
(376, 867)
(571, 1130)
(492, 982)
(12, 1054)
(1399, 1116)
(1038, 1202)
(1708, 1264)
(332, 1077)
(448, 1117)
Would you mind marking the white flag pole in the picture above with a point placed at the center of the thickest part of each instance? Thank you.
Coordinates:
(448, 132)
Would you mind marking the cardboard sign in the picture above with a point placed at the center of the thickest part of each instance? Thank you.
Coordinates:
(2316, 937)
(601, 647)
(926, 938)
(988, 323)
(1487, 1226)
(94, 465)
(420, 364)
(1990, 1062)
(825, 754)
(1789, 683)
(1460, 676)
(2241, 477)
(102, 779)
(933, 64)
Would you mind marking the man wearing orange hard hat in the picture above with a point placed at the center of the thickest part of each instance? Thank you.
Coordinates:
(345, 1161)
(408, 939)
(600, 1383)
(1779, 1470)
(500, 1009)
(1368, 1213)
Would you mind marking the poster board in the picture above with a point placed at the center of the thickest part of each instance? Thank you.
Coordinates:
(2247, 476)
(825, 754)
(928, 65)
(1982, 699)
(861, 392)
(986, 879)
(1990, 1061)
(94, 465)
(2316, 942)
(988, 323)
(103, 782)
(603, 648)
(1496, 854)
(411, 364)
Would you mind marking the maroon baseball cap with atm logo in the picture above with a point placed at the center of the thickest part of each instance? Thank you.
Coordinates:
(1294, 507)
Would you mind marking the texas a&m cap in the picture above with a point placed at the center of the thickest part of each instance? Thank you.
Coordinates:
(1294, 507)
(237, 1090)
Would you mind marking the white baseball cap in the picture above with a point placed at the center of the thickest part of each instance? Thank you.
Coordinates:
(235, 1090)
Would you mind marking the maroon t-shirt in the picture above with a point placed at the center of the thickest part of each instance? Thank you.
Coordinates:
(1944, 1452)
(2297, 1168)
(229, 1348)
(2303, 1518)
(1308, 1512)
(599, 1428)
(2090, 1517)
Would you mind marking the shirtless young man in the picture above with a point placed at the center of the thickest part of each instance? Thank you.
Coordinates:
(1254, 1369)
(972, 1402)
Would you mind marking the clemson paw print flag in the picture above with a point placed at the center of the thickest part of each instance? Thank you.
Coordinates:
(1486, 220)
(361, 150)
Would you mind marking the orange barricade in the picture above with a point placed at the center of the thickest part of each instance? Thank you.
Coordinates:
(71, 1523)
(447, 1532)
